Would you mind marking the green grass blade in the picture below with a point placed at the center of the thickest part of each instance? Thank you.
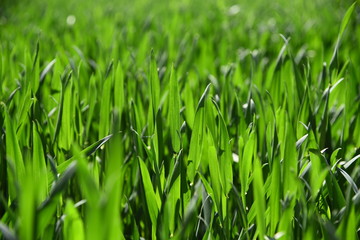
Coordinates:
(174, 111)
(151, 200)
(16, 168)
(259, 194)
(73, 224)
(197, 137)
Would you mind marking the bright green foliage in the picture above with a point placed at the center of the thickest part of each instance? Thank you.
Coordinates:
(188, 119)
(174, 111)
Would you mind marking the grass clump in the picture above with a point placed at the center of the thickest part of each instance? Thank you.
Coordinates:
(213, 119)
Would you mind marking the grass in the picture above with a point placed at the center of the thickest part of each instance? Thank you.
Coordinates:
(213, 119)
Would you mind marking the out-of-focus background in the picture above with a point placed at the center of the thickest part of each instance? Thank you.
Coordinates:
(247, 24)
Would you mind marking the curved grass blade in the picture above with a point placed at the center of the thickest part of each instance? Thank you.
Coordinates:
(197, 137)
(13, 154)
(46, 70)
(151, 199)
(86, 152)
(344, 23)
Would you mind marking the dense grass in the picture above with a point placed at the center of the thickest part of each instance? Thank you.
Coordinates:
(189, 119)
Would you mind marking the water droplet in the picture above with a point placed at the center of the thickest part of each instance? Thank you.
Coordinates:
(70, 20)
(233, 10)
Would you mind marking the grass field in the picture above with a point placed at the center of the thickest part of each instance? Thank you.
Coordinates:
(191, 119)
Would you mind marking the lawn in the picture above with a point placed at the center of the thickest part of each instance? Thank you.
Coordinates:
(188, 119)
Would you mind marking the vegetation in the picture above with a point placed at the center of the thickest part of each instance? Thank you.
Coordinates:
(189, 119)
